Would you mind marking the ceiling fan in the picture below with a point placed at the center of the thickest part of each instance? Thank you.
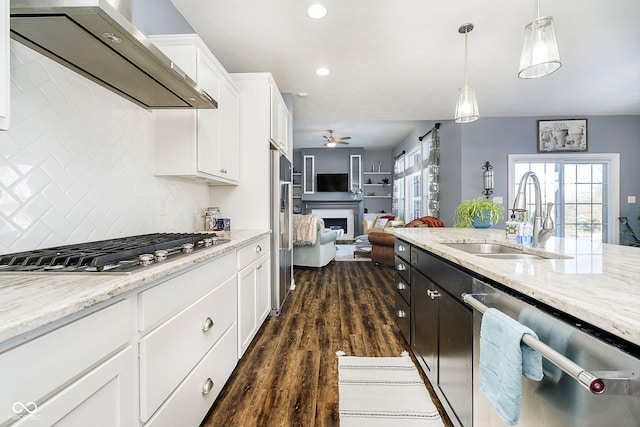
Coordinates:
(331, 141)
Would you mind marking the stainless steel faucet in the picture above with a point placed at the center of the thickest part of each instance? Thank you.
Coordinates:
(541, 230)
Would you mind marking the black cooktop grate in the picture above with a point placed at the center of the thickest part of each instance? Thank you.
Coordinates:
(100, 254)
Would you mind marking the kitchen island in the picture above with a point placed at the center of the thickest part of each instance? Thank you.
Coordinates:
(594, 282)
(580, 297)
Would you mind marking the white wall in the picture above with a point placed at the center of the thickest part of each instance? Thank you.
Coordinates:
(77, 164)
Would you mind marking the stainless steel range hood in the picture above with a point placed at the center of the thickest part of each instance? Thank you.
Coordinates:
(97, 39)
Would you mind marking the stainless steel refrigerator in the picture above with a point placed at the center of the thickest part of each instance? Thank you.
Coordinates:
(281, 234)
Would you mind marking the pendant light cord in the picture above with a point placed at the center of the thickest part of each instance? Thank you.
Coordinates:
(465, 57)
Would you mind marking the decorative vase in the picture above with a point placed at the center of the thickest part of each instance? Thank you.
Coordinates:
(478, 222)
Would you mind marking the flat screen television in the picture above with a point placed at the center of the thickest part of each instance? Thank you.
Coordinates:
(326, 182)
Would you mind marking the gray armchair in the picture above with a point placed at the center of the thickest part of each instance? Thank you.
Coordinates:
(319, 254)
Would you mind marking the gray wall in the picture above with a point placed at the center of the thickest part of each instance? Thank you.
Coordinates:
(159, 17)
(465, 148)
(334, 160)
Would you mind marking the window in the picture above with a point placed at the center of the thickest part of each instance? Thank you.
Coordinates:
(584, 189)
(416, 188)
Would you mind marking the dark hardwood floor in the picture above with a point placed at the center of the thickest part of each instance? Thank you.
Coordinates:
(289, 374)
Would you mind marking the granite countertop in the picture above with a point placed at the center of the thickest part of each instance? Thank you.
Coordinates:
(31, 301)
(594, 282)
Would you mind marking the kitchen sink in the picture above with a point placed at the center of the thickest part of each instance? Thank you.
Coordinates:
(520, 255)
(484, 248)
(498, 251)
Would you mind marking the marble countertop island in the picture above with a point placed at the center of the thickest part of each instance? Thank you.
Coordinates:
(594, 282)
(35, 300)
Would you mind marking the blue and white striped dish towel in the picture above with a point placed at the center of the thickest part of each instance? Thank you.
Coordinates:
(503, 361)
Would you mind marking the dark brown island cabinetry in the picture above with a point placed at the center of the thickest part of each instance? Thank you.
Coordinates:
(440, 326)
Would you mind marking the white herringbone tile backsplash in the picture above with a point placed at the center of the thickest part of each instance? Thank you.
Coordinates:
(77, 164)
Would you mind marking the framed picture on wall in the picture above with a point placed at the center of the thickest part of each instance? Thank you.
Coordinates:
(562, 135)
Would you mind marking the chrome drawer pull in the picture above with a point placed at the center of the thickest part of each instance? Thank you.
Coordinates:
(433, 294)
(258, 249)
(401, 267)
(402, 313)
(207, 324)
(207, 386)
(401, 248)
(402, 286)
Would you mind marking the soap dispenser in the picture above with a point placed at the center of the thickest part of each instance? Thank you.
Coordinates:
(511, 228)
(527, 232)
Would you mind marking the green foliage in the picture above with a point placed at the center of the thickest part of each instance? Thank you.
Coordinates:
(468, 209)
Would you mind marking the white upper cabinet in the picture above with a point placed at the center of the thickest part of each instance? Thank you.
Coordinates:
(278, 131)
(204, 143)
(4, 66)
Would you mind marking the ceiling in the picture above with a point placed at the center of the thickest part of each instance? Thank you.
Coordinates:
(394, 63)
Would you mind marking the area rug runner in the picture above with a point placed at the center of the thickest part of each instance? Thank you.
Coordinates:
(383, 392)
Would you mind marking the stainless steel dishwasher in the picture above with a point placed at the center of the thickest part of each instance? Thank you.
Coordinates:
(590, 379)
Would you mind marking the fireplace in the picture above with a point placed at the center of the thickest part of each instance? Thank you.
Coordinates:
(338, 217)
(335, 222)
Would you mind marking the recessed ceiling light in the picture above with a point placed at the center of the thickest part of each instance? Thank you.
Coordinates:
(317, 11)
(322, 71)
(302, 94)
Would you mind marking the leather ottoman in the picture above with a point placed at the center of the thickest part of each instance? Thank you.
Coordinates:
(382, 248)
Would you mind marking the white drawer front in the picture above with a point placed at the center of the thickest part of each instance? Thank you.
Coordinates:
(217, 365)
(252, 252)
(103, 397)
(163, 301)
(168, 353)
(40, 366)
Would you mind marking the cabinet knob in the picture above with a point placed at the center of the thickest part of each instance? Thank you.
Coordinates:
(207, 324)
(207, 386)
(401, 248)
(259, 267)
(402, 313)
(402, 286)
(433, 294)
(401, 267)
(258, 248)
(223, 170)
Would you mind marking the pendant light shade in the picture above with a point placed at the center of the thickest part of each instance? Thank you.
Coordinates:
(540, 55)
(466, 105)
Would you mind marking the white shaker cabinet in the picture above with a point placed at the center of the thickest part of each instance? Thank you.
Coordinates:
(202, 144)
(254, 291)
(255, 147)
(5, 97)
(182, 321)
(278, 130)
(275, 110)
(79, 374)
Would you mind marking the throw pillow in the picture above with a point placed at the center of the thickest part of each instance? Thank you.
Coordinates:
(380, 223)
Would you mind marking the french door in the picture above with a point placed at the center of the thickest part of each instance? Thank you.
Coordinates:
(584, 189)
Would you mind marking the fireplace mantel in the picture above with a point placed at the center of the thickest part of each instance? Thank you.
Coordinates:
(338, 204)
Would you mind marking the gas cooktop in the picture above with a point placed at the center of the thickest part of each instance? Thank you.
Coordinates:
(121, 255)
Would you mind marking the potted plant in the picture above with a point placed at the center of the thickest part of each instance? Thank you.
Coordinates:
(479, 213)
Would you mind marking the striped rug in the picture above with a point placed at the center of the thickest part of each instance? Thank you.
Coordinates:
(383, 392)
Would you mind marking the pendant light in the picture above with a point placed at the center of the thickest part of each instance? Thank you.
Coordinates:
(467, 106)
(540, 55)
